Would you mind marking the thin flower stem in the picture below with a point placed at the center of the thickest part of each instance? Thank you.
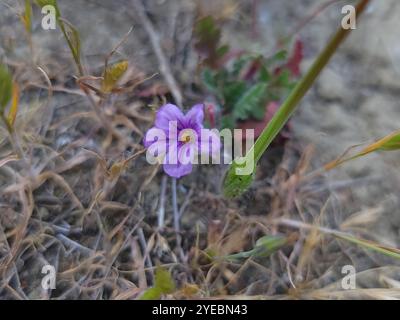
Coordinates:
(175, 206)
(161, 210)
(176, 220)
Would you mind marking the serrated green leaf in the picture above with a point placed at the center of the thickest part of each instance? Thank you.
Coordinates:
(264, 75)
(112, 74)
(5, 88)
(258, 112)
(240, 63)
(232, 92)
(228, 122)
(251, 103)
(208, 78)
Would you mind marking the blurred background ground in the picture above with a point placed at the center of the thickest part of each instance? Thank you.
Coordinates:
(355, 100)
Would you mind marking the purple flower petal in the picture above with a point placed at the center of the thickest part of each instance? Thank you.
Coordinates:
(195, 116)
(177, 170)
(187, 153)
(180, 152)
(167, 113)
(154, 135)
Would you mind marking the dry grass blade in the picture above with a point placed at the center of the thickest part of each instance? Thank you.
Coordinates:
(386, 250)
(389, 143)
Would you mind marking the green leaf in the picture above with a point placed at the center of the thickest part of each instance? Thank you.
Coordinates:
(277, 57)
(163, 284)
(164, 281)
(72, 37)
(232, 92)
(264, 247)
(12, 113)
(207, 31)
(70, 33)
(390, 142)
(112, 74)
(151, 294)
(228, 121)
(5, 88)
(264, 75)
(283, 79)
(241, 62)
(208, 78)
(221, 51)
(251, 103)
(208, 35)
(27, 16)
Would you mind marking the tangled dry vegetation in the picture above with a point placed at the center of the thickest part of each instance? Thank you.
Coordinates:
(77, 193)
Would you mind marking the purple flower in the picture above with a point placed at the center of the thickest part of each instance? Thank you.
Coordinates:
(179, 138)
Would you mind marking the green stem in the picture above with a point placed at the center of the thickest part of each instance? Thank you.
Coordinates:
(285, 111)
(234, 183)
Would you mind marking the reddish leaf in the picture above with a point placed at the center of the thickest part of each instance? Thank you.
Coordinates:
(208, 35)
(294, 62)
(210, 112)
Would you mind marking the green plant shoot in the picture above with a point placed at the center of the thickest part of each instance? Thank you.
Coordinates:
(236, 182)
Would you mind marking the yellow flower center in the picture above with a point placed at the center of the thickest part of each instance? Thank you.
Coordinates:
(186, 137)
